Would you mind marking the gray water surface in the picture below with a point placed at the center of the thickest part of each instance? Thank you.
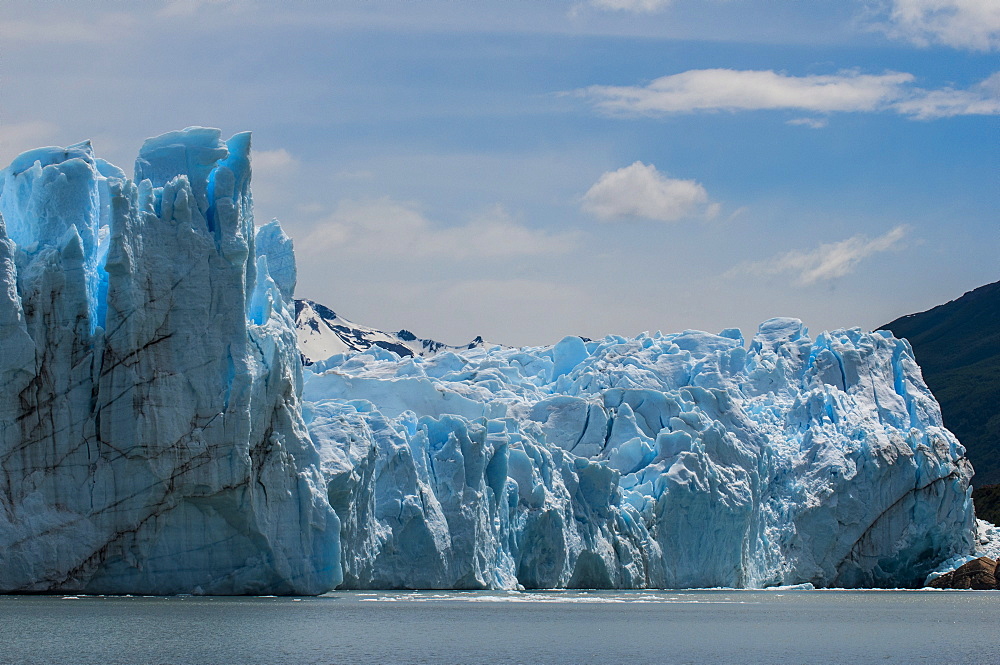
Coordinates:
(558, 628)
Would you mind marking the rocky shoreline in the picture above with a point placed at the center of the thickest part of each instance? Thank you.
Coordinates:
(979, 574)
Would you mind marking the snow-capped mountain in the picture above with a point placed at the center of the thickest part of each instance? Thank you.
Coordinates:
(322, 333)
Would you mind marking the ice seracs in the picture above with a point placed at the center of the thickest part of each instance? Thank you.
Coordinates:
(158, 434)
(680, 460)
(152, 438)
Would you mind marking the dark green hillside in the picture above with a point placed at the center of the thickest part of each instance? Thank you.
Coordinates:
(987, 500)
(958, 347)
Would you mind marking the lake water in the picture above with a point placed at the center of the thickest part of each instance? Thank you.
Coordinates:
(569, 627)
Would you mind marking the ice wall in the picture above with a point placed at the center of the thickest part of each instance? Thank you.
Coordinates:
(674, 461)
(151, 438)
(157, 434)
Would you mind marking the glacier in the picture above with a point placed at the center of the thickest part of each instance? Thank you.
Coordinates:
(159, 434)
(670, 461)
(151, 437)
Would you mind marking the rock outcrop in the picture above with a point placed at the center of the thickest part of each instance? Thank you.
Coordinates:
(977, 574)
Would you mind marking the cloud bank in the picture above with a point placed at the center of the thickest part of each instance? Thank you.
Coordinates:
(388, 228)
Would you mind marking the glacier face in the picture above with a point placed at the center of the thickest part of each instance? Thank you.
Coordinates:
(152, 438)
(672, 461)
(157, 434)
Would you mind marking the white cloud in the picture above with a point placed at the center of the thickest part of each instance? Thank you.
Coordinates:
(385, 227)
(812, 123)
(751, 90)
(745, 90)
(967, 24)
(639, 6)
(981, 99)
(640, 190)
(736, 214)
(186, 8)
(828, 261)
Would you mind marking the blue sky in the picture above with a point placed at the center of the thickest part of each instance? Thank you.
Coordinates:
(524, 170)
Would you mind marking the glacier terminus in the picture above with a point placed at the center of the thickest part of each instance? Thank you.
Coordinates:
(151, 435)
(159, 433)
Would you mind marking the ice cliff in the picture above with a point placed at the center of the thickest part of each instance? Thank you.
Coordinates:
(681, 460)
(151, 437)
(157, 434)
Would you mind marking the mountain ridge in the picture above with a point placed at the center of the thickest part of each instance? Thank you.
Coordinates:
(323, 333)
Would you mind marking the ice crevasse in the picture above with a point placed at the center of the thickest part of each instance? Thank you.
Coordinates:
(157, 434)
